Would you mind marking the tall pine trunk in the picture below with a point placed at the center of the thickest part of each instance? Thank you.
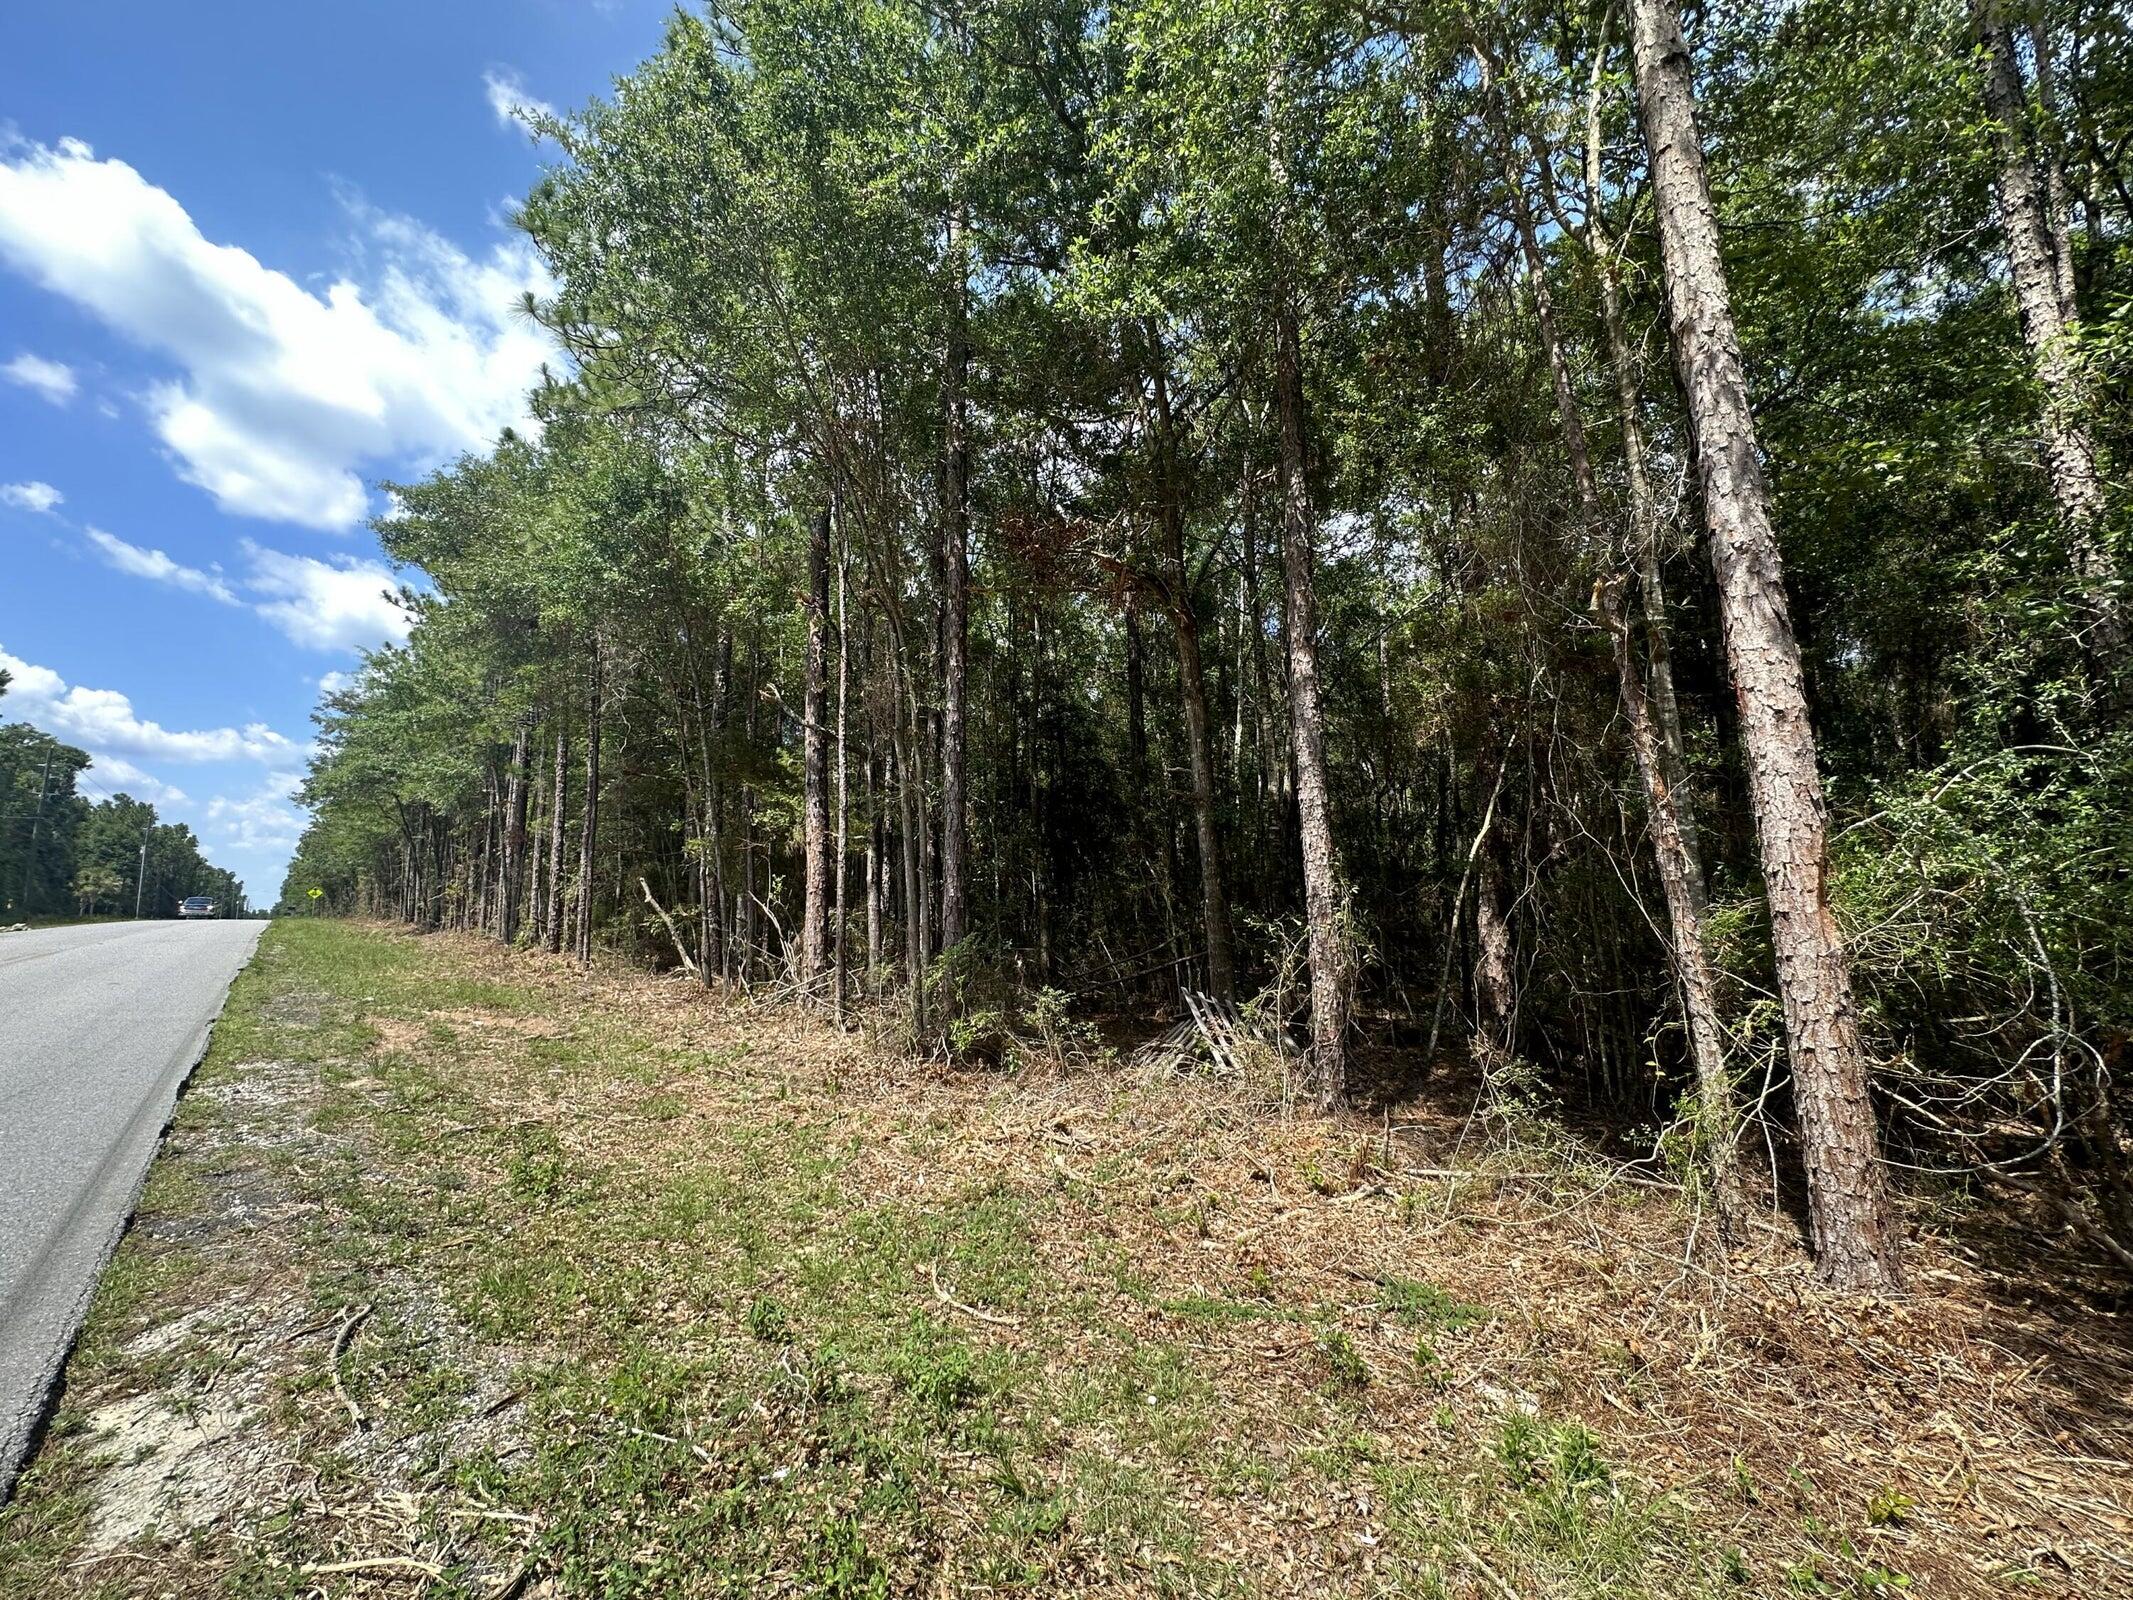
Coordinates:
(1854, 1224)
(552, 917)
(814, 737)
(841, 871)
(955, 552)
(1325, 914)
(1328, 956)
(589, 818)
(516, 795)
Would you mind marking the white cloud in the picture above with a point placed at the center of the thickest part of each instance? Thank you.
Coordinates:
(103, 722)
(335, 682)
(111, 775)
(342, 604)
(264, 820)
(283, 395)
(510, 102)
(157, 567)
(31, 496)
(52, 379)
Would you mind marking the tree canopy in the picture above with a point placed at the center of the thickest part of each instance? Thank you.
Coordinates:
(1272, 500)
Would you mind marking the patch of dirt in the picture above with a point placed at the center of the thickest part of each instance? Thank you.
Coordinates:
(522, 1026)
(397, 1033)
(166, 1471)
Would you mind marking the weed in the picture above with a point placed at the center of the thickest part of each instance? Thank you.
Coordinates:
(536, 1173)
(933, 1366)
(768, 1321)
(1888, 1508)
(1413, 1302)
(1344, 1363)
(839, 1565)
(1744, 1484)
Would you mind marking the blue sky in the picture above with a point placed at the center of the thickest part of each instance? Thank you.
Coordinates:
(254, 259)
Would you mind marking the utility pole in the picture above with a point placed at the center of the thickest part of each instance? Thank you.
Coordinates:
(140, 877)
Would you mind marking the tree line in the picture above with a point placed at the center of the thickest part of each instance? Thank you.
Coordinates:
(1520, 533)
(66, 853)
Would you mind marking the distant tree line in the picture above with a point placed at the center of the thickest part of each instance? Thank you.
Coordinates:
(64, 853)
(1494, 530)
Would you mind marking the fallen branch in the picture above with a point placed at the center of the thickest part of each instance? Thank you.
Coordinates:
(933, 1272)
(690, 1445)
(341, 1338)
(673, 932)
(409, 1564)
(1457, 1174)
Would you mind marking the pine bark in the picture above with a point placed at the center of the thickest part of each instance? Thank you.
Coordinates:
(516, 795)
(2043, 298)
(711, 939)
(840, 870)
(1495, 986)
(1853, 1223)
(2058, 193)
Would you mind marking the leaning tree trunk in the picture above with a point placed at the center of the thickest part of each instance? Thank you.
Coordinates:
(814, 735)
(2042, 298)
(1854, 1225)
(1680, 874)
(1654, 720)
(1192, 691)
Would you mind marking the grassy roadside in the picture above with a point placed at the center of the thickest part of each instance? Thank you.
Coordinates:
(467, 1274)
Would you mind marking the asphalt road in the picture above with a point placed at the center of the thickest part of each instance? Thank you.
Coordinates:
(99, 1026)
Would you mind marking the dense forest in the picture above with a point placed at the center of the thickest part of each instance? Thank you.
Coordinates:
(1580, 544)
(67, 852)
